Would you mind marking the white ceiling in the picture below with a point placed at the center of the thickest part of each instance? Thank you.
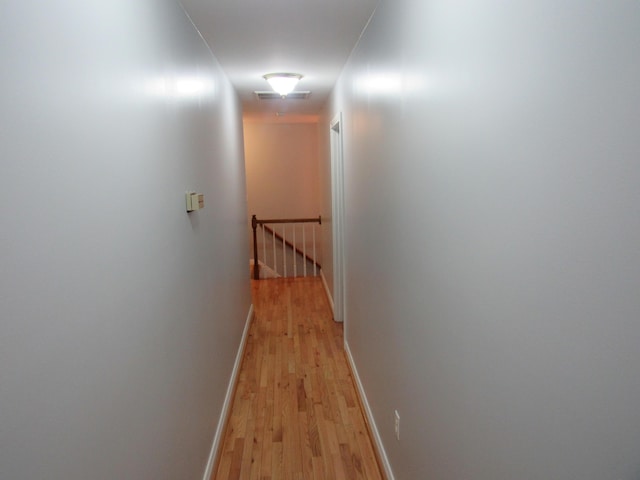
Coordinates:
(253, 37)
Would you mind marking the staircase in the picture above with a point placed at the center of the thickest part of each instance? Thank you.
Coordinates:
(285, 247)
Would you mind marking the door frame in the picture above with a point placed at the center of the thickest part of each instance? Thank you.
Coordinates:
(337, 211)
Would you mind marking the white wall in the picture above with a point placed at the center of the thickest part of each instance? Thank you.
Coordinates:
(282, 165)
(120, 314)
(492, 236)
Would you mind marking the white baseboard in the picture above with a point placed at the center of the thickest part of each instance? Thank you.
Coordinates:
(226, 407)
(327, 291)
(367, 411)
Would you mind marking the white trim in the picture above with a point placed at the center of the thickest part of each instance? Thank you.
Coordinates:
(326, 289)
(226, 406)
(367, 410)
(337, 212)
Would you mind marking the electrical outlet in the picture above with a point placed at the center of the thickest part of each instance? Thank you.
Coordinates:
(397, 424)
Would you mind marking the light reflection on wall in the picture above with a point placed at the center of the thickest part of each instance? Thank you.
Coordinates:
(391, 84)
(189, 87)
(381, 84)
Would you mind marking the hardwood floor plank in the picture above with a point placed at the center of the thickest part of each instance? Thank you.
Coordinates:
(236, 460)
(247, 453)
(224, 466)
(306, 453)
(296, 413)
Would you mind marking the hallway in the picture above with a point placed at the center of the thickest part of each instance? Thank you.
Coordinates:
(295, 413)
(491, 183)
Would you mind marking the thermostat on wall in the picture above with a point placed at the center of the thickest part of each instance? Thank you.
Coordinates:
(195, 201)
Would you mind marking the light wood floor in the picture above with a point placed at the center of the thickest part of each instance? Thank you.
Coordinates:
(295, 414)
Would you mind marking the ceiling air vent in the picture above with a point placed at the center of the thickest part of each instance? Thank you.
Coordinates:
(298, 95)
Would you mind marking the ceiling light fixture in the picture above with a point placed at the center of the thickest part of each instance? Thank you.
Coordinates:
(283, 83)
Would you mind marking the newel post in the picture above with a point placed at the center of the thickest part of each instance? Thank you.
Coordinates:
(256, 265)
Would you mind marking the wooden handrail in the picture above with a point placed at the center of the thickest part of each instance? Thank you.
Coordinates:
(290, 220)
(254, 224)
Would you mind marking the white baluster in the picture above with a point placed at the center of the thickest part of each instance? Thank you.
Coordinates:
(284, 248)
(295, 254)
(273, 240)
(304, 249)
(313, 229)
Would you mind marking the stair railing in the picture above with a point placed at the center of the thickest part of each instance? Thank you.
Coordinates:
(287, 243)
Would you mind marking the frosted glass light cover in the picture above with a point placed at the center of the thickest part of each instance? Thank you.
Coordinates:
(283, 83)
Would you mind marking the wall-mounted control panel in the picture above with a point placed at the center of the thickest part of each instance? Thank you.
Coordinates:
(195, 201)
